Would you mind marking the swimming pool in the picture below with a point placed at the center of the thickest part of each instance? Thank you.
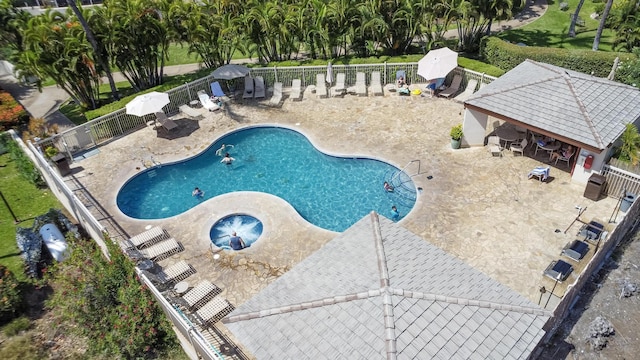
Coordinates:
(328, 191)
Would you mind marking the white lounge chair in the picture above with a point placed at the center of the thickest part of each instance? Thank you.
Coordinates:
(339, 89)
(361, 84)
(258, 87)
(277, 94)
(200, 294)
(189, 111)
(175, 272)
(206, 102)
(161, 250)
(165, 122)
(453, 88)
(149, 237)
(321, 86)
(376, 84)
(494, 145)
(468, 91)
(296, 90)
(248, 88)
(214, 311)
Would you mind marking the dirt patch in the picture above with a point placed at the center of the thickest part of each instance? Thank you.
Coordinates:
(611, 297)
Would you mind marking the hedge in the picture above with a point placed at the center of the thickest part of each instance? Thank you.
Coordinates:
(507, 56)
(12, 114)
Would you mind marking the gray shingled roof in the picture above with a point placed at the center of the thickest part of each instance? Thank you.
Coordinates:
(378, 291)
(590, 110)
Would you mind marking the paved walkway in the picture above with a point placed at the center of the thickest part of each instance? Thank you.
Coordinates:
(46, 103)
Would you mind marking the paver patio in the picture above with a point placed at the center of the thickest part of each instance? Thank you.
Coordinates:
(480, 208)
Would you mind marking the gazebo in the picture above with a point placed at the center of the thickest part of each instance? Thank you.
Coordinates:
(582, 110)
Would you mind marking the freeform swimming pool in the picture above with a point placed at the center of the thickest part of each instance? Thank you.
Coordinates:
(328, 191)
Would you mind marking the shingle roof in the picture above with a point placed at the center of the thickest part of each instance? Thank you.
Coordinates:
(590, 110)
(379, 291)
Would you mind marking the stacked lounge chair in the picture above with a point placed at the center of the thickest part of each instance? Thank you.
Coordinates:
(296, 90)
(321, 86)
(214, 311)
(248, 87)
(200, 294)
(258, 87)
(161, 250)
(277, 94)
(453, 87)
(376, 84)
(468, 91)
(361, 84)
(339, 89)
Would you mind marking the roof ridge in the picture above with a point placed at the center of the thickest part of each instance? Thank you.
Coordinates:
(387, 300)
(470, 302)
(583, 110)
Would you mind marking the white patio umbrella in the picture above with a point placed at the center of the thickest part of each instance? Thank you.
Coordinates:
(147, 103)
(329, 77)
(437, 63)
(230, 72)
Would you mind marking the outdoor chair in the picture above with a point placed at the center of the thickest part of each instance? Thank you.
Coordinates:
(575, 250)
(161, 250)
(339, 89)
(206, 102)
(518, 147)
(361, 84)
(296, 90)
(200, 294)
(189, 111)
(277, 94)
(149, 237)
(452, 89)
(541, 172)
(216, 90)
(258, 88)
(248, 87)
(494, 146)
(468, 91)
(165, 122)
(213, 311)
(174, 273)
(566, 159)
(558, 270)
(592, 232)
(321, 86)
(376, 84)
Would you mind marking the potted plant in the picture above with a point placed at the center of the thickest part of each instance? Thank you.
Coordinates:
(50, 152)
(456, 135)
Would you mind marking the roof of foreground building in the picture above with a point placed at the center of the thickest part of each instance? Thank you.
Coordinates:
(379, 291)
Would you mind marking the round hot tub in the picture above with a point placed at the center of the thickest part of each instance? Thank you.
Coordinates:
(235, 232)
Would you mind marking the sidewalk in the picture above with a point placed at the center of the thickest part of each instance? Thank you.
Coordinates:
(45, 104)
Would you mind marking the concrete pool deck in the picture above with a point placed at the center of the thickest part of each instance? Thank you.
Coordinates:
(481, 209)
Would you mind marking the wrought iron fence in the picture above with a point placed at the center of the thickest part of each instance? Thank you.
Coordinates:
(620, 182)
(82, 138)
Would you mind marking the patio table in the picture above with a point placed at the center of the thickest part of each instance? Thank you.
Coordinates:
(550, 148)
(507, 134)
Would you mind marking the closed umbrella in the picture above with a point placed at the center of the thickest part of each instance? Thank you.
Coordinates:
(329, 73)
(230, 72)
(437, 63)
(147, 103)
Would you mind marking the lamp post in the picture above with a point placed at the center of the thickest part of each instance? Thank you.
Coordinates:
(542, 291)
(554, 287)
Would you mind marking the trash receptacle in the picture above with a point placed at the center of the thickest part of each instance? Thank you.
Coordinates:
(594, 187)
(62, 164)
(627, 201)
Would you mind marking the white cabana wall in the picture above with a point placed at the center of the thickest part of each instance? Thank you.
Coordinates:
(474, 127)
(580, 174)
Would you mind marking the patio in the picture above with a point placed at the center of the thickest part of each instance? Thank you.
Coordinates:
(479, 208)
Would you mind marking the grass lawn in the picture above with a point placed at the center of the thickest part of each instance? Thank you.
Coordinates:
(27, 202)
(552, 28)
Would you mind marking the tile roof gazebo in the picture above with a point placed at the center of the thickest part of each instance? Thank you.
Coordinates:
(378, 291)
(578, 109)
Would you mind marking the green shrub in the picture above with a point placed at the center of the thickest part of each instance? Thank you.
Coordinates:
(10, 295)
(456, 132)
(23, 163)
(20, 348)
(506, 56)
(16, 326)
(12, 114)
(105, 302)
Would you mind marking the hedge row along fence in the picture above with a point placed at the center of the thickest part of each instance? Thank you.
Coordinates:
(506, 56)
(12, 114)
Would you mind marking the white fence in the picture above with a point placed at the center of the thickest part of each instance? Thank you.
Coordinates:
(619, 182)
(105, 128)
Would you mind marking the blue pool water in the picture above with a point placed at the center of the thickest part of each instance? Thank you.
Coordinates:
(328, 191)
(245, 226)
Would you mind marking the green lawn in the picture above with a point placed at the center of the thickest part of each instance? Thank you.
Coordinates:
(552, 28)
(27, 202)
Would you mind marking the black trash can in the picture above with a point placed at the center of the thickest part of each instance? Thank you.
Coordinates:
(62, 164)
(594, 187)
(627, 201)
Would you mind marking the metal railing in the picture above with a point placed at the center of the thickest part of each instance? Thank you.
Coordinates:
(620, 182)
(85, 137)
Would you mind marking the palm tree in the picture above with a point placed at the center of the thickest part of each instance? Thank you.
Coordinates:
(603, 19)
(574, 18)
(630, 149)
(98, 53)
